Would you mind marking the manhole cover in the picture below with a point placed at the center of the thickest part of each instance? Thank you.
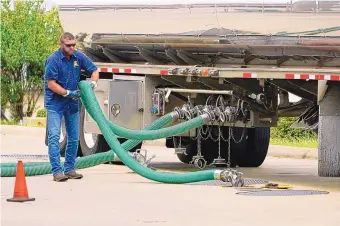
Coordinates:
(221, 183)
(24, 156)
(282, 192)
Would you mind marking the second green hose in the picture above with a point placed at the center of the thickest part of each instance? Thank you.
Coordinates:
(93, 108)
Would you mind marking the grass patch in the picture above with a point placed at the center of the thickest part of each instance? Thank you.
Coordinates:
(15, 123)
(11, 123)
(306, 142)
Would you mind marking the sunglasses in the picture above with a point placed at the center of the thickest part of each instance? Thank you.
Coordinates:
(69, 45)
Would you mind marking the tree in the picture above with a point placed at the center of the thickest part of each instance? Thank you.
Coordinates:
(29, 34)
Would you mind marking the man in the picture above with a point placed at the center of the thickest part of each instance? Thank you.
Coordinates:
(62, 98)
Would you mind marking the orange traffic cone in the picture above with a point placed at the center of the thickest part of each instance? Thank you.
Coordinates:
(20, 188)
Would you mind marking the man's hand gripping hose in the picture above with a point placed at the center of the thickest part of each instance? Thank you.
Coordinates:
(72, 94)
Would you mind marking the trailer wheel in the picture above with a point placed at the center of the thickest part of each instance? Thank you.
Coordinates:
(89, 143)
(191, 150)
(256, 148)
(236, 149)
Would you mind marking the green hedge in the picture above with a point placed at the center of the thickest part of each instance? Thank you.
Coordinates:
(282, 131)
(41, 113)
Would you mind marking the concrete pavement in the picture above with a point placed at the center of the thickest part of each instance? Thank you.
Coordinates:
(114, 195)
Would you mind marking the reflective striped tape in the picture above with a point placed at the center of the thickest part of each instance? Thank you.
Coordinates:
(118, 70)
(244, 74)
(249, 75)
(313, 77)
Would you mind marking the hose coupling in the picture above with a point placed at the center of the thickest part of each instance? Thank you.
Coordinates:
(217, 174)
(220, 115)
(142, 159)
(232, 176)
(199, 162)
(175, 116)
(206, 117)
(209, 110)
(230, 114)
(187, 110)
(179, 112)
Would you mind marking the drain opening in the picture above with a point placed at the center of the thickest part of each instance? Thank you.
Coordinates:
(281, 192)
(221, 183)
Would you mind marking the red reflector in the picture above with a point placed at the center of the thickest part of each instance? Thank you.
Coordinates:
(246, 75)
(304, 76)
(335, 77)
(319, 77)
(164, 72)
(289, 76)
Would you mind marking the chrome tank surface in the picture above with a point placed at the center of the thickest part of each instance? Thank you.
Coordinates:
(224, 17)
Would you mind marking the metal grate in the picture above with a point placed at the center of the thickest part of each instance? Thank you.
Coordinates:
(281, 192)
(24, 156)
(227, 184)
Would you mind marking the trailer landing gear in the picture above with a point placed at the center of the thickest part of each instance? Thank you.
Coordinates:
(329, 133)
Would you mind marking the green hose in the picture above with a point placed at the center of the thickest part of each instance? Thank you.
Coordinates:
(157, 134)
(91, 104)
(41, 168)
(93, 108)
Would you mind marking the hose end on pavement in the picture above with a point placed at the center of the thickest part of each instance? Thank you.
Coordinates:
(230, 175)
(217, 174)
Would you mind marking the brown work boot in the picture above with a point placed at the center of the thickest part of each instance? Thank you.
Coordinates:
(73, 175)
(60, 177)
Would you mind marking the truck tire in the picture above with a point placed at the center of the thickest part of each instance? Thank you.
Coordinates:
(237, 150)
(89, 143)
(256, 148)
(191, 150)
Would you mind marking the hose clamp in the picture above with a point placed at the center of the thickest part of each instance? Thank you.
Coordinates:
(217, 174)
(179, 112)
(206, 118)
(175, 116)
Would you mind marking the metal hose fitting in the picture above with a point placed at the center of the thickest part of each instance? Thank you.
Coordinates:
(217, 174)
(206, 117)
(232, 176)
(175, 115)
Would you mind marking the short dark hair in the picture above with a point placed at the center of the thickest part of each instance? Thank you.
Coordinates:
(66, 35)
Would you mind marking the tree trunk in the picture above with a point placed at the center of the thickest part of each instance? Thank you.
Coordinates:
(3, 116)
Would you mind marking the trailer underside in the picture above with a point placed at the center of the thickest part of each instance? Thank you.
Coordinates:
(260, 71)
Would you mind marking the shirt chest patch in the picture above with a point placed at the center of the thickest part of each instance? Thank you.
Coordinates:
(75, 64)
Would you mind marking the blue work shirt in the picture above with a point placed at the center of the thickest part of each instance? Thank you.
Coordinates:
(66, 72)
